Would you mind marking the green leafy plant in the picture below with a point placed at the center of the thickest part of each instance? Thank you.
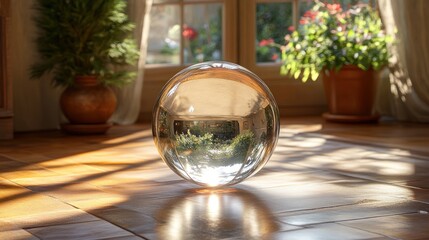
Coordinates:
(190, 141)
(329, 38)
(81, 37)
(223, 149)
(241, 143)
(265, 52)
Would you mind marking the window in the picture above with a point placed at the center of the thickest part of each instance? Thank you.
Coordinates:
(184, 32)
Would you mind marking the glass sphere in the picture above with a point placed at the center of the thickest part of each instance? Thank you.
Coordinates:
(215, 123)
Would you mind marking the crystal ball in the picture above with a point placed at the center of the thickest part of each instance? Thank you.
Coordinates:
(215, 124)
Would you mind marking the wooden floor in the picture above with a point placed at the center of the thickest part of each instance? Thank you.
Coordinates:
(324, 181)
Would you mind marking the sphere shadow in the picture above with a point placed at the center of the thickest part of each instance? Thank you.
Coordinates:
(215, 214)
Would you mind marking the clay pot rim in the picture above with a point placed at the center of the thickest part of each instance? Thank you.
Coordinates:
(86, 80)
(348, 67)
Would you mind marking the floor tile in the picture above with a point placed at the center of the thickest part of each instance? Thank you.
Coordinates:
(26, 172)
(406, 226)
(17, 234)
(124, 238)
(352, 212)
(136, 222)
(9, 231)
(18, 201)
(82, 231)
(76, 192)
(47, 218)
(329, 231)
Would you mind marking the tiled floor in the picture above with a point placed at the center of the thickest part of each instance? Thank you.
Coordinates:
(324, 181)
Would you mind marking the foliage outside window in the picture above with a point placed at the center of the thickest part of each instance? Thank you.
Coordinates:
(272, 19)
(330, 38)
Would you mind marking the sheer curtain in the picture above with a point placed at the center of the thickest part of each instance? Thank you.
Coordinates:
(36, 102)
(129, 97)
(404, 93)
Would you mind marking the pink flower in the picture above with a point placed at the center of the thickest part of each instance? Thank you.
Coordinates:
(266, 42)
(274, 57)
(189, 32)
(291, 28)
(334, 8)
(310, 14)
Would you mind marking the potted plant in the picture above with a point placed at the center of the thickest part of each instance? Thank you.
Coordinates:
(346, 48)
(85, 45)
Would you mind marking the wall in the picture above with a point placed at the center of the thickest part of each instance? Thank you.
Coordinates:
(6, 105)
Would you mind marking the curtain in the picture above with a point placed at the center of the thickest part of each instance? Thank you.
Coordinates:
(129, 97)
(36, 102)
(404, 91)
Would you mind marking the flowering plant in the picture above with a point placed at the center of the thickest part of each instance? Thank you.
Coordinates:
(189, 33)
(329, 38)
(265, 51)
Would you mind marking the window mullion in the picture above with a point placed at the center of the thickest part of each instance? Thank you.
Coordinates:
(182, 40)
(295, 13)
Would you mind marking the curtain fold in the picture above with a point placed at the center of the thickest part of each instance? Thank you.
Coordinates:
(404, 92)
(129, 96)
(35, 102)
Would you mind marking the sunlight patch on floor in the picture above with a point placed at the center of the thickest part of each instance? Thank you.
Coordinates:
(130, 137)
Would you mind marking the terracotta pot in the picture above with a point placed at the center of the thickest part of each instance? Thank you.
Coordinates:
(88, 101)
(350, 93)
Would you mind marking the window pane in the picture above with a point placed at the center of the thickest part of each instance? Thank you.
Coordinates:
(304, 6)
(272, 24)
(202, 32)
(164, 35)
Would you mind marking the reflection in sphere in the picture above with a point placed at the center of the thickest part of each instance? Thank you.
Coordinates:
(215, 124)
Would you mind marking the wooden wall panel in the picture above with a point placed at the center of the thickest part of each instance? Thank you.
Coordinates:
(6, 110)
